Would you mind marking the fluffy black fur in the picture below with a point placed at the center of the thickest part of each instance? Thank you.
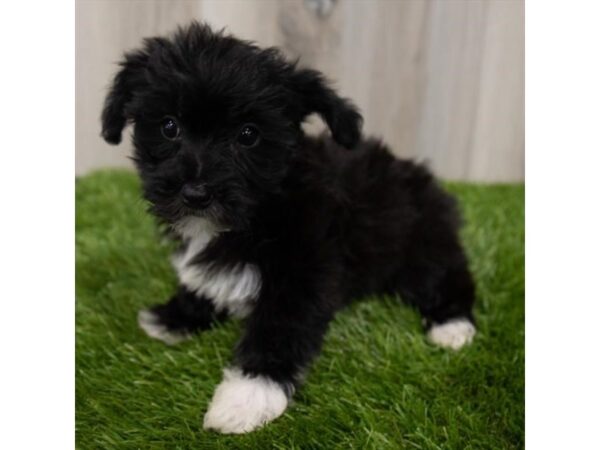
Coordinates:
(325, 220)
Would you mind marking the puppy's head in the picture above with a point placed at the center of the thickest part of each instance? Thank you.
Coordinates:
(216, 120)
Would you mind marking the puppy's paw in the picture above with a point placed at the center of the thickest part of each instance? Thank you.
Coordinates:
(150, 322)
(242, 404)
(453, 334)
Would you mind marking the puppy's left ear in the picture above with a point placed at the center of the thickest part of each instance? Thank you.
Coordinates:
(114, 115)
(315, 96)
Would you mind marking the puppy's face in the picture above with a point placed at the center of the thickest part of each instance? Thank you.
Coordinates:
(216, 121)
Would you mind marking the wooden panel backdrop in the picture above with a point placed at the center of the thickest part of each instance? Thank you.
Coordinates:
(439, 80)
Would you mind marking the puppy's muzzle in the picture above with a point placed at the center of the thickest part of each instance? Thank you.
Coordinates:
(196, 196)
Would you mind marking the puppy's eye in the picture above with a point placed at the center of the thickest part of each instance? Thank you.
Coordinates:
(249, 136)
(169, 128)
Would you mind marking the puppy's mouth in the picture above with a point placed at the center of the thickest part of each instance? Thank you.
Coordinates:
(211, 205)
(208, 209)
(175, 209)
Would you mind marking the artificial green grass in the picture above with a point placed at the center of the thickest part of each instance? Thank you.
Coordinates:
(377, 384)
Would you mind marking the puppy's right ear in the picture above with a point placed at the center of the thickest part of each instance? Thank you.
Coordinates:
(114, 116)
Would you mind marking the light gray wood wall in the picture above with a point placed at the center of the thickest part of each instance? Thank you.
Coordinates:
(440, 80)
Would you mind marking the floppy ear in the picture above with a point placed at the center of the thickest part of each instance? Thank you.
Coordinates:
(341, 116)
(114, 116)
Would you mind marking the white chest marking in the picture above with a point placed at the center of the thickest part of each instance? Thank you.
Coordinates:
(233, 289)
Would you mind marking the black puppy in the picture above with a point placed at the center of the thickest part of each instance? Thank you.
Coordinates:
(277, 227)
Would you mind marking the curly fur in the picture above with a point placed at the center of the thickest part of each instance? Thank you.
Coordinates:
(323, 220)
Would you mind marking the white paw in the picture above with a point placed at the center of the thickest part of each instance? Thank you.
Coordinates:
(452, 334)
(242, 403)
(149, 322)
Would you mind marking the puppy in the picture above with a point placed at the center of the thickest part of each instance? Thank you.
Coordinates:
(276, 227)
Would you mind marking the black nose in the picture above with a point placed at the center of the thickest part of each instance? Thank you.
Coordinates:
(196, 195)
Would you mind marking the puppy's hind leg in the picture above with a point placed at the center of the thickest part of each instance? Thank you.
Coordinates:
(445, 298)
(180, 318)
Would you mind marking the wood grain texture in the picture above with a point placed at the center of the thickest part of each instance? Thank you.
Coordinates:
(104, 29)
(440, 81)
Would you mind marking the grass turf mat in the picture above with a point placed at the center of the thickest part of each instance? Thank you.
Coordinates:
(377, 384)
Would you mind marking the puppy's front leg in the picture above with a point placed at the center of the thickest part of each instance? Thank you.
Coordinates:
(183, 315)
(282, 336)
